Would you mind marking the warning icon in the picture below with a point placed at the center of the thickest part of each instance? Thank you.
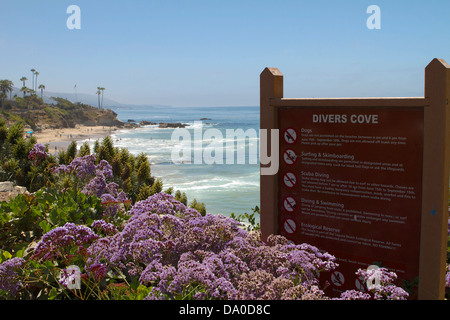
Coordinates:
(337, 278)
(290, 136)
(290, 226)
(289, 157)
(290, 180)
(289, 204)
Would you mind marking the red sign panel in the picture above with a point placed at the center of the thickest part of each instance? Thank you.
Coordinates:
(357, 187)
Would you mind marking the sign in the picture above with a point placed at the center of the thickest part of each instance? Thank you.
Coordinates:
(365, 179)
(359, 190)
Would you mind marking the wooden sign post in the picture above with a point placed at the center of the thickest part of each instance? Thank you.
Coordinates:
(365, 179)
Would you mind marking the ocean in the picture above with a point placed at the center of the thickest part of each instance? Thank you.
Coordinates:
(226, 187)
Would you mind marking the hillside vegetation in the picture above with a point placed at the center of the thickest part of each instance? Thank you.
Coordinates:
(35, 114)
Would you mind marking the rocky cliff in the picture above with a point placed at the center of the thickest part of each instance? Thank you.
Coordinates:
(62, 114)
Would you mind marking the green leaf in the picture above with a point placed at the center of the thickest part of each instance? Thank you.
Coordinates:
(45, 226)
(20, 253)
(5, 255)
(89, 221)
(53, 294)
(134, 284)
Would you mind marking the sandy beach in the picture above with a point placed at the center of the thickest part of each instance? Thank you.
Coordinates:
(59, 139)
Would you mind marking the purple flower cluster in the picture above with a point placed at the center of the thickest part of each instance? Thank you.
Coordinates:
(112, 195)
(176, 250)
(37, 153)
(82, 167)
(85, 167)
(160, 203)
(96, 186)
(8, 275)
(57, 242)
(98, 271)
(112, 200)
(105, 168)
(94, 178)
(383, 288)
(101, 226)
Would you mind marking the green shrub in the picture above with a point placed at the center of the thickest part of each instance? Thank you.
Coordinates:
(27, 217)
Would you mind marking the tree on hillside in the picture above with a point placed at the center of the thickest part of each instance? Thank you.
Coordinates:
(99, 92)
(12, 88)
(5, 87)
(35, 86)
(24, 79)
(32, 81)
(24, 90)
(42, 87)
(2, 98)
(102, 90)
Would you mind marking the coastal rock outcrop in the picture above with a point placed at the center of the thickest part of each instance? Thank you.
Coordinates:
(146, 123)
(172, 125)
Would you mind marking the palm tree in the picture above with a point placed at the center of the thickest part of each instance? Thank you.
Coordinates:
(32, 83)
(25, 90)
(35, 86)
(42, 87)
(99, 92)
(23, 79)
(5, 87)
(102, 90)
(11, 84)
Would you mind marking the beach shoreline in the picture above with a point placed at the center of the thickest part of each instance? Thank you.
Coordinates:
(59, 139)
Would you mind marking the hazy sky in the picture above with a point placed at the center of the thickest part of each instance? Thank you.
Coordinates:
(211, 53)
